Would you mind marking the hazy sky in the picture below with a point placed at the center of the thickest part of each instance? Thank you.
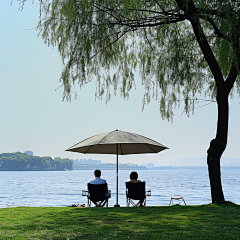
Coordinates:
(33, 116)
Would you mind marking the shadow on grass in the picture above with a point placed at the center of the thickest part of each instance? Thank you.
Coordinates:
(210, 221)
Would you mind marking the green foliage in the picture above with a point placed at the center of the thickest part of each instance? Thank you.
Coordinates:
(167, 222)
(112, 39)
(22, 162)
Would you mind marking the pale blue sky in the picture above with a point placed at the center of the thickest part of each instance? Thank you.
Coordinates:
(33, 116)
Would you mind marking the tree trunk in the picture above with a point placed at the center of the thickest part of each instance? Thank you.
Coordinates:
(214, 171)
(217, 147)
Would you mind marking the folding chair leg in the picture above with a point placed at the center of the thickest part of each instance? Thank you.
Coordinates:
(141, 204)
(102, 203)
(89, 203)
(131, 201)
(127, 202)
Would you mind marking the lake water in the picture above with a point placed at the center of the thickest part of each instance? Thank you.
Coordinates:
(64, 188)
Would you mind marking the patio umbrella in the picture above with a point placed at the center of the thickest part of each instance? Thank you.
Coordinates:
(119, 143)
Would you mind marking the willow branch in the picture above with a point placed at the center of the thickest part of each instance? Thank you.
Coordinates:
(109, 44)
(216, 29)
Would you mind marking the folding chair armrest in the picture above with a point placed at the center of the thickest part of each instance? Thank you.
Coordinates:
(84, 193)
(108, 194)
(148, 193)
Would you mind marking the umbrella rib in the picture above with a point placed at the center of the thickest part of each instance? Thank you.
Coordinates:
(104, 137)
(134, 134)
(88, 149)
(151, 148)
(81, 141)
(121, 148)
(157, 143)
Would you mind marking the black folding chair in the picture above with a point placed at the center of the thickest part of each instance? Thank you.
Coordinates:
(98, 193)
(136, 191)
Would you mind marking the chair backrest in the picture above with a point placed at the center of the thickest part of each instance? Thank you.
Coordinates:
(97, 191)
(136, 191)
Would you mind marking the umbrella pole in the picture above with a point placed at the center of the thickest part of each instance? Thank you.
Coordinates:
(117, 205)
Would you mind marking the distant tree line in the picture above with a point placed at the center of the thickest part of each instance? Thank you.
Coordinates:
(22, 162)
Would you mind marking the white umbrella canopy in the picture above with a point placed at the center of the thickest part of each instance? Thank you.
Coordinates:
(119, 143)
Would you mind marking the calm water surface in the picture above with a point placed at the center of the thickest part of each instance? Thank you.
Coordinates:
(27, 188)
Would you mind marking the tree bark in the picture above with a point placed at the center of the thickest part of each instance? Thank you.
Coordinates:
(217, 147)
(214, 171)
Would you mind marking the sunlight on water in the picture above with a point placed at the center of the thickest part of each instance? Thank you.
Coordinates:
(56, 188)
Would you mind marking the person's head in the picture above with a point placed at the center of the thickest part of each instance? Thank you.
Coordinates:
(133, 176)
(97, 173)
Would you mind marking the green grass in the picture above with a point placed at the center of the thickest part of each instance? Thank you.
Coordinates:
(210, 221)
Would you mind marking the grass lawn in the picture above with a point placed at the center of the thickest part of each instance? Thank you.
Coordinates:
(210, 221)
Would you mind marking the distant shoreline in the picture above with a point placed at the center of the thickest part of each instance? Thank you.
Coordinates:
(113, 167)
(120, 168)
(108, 167)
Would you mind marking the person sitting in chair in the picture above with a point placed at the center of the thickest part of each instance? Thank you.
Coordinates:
(134, 179)
(97, 181)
